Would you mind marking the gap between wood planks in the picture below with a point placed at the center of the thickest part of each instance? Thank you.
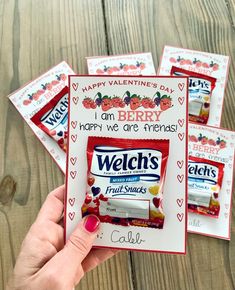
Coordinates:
(230, 15)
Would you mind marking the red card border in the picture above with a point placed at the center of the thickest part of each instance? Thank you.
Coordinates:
(204, 52)
(8, 96)
(186, 159)
(230, 208)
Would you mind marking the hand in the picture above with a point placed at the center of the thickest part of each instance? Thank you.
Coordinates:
(44, 262)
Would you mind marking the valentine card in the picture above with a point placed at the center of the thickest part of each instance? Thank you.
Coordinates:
(128, 64)
(207, 72)
(127, 160)
(210, 176)
(37, 94)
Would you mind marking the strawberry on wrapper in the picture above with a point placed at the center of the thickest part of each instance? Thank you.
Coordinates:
(204, 182)
(200, 88)
(53, 118)
(125, 180)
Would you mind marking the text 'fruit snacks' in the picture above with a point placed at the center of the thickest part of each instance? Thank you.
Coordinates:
(53, 118)
(200, 89)
(125, 181)
(204, 183)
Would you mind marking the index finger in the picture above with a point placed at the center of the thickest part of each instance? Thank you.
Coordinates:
(52, 209)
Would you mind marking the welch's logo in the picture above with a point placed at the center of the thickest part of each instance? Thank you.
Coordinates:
(111, 161)
(202, 172)
(57, 115)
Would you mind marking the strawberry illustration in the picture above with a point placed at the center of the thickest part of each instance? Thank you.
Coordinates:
(132, 66)
(165, 102)
(145, 102)
(48, 87)
(135, 102)
(116, 102)
(189, 62)
(222, 144)
(115, 69)
(36, 96)
(26, 102)
(110, 71)
(205, 65)
(99, 71)
(211, 142)
(173, 60)
(106, 103)
(204, 140)
(198, 64)
(63, 77)
(193, 138)
(122, 104)
(215, 67)
(183, 62)
(152, 104)
(40, 92)
(55, 82)
(126, 67)
(93, 105)
(87, 103)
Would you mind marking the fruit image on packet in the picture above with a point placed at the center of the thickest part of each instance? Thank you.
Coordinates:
(125, 180)
(200, 88)
(53, 118)
(204, 182)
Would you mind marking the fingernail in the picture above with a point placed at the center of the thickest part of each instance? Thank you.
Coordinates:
(91, 223)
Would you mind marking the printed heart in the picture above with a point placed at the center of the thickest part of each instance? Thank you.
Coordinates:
(52, 151)
(180, 178)
(228, 191)
(231, 144)
(226, 205)
(74, 138)
(74, 124)
(180, 163)
(181, 86)
(181, 122)
(73, 174)
(181, 136)
(71, 215)
(71, 201)
(228, 182)
(179, 201)
(226, 215)
(75, 100)
(57, 157)
(180, 216)
(233, 136)
(181, 100)
(43, 139)
(75, 86)
(95, 190)
(231, 157)
(60, 133)
(230, 165)
(73, 160)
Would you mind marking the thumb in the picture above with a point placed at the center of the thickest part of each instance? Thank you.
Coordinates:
(68, 261)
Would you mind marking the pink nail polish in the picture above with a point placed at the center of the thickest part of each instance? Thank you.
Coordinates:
(91, 223)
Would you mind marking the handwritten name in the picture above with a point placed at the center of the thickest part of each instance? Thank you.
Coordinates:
(129, 238)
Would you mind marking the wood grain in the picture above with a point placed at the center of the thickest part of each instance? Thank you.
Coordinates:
(35, 35)
(202, 25)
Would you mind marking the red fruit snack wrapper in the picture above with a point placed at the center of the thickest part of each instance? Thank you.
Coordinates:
(53, 118)
(200, 90)
(204, 182)
(125, 181)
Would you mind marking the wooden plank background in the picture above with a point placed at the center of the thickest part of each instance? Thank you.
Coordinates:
(37, 34)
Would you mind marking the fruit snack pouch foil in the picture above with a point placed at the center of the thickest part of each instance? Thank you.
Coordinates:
(200, 89)
(125, 181)
(53, 118)
(204, 182)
